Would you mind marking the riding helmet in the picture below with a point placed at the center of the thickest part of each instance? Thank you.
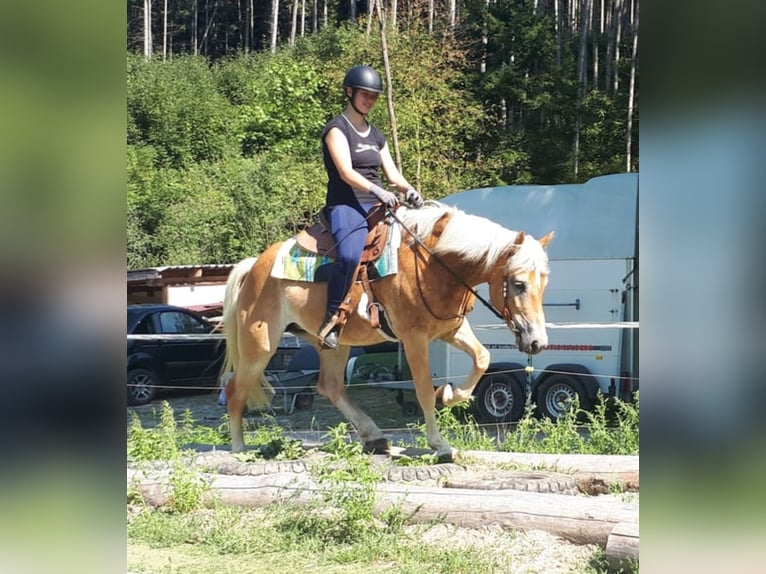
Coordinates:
(363, 77)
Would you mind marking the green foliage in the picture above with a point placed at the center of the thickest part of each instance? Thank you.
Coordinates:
(164, 443)
(599, 434)
(347, 479)
(224, 156)
(459, 428)
(277, 103)
(158, 443)
(175, 107)
(272, 443)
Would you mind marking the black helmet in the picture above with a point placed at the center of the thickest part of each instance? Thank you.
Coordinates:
(363, 77)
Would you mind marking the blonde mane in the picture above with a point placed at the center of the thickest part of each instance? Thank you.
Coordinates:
(474, 238)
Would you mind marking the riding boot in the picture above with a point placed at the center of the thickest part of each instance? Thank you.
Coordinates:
(328, 332)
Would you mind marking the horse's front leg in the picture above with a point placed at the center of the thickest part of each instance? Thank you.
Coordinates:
(416, 350)
(332, 365)
(465, 340)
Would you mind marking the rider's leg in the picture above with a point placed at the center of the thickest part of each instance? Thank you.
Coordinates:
(349, 229)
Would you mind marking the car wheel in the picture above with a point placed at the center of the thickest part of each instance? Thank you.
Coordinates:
(304, 400)
(499, 399)
(141, 386)
(557, 394)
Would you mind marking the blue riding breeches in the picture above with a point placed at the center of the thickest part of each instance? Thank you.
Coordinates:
(349, 229)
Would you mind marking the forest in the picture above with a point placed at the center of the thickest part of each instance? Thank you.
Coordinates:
(226, 100)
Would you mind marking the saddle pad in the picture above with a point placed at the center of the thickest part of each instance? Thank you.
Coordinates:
(293, 262)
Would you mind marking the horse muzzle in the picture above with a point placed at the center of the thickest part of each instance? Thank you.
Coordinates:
(530, 339)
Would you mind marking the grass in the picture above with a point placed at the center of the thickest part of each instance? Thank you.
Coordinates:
(250, 541)
(341, 533)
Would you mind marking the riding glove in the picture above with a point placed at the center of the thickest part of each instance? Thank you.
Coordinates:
(412, 197)
(386, 197)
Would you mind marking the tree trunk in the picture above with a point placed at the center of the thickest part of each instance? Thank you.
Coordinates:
(165, 33)
(617, 38)
(394, 7)
(579, 519)
(452, 14)
(315, 17)
(195, 46)
(484, 37)
(631, 95)
(557, 24)
(274, 16)
(294, 27)
(303, 18)
(581, 69)
(389, 86)
(430, 17)
(147, 29)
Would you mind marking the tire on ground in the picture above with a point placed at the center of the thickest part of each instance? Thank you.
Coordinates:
(530, 481)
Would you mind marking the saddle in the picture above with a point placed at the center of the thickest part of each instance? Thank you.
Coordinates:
(318, 239)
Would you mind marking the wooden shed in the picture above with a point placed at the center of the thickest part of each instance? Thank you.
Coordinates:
(197, 287)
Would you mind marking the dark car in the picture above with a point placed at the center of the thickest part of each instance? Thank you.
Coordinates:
(176, 350)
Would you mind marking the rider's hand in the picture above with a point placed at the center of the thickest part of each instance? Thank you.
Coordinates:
(412, 197)
(386, 197)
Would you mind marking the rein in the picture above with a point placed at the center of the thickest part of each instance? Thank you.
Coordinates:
(505, 315)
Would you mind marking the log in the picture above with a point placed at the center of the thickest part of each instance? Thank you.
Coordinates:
(622, 545)
(580, 519)
(612, 468)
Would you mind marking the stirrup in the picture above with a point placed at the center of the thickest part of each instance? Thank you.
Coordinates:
(328, 334)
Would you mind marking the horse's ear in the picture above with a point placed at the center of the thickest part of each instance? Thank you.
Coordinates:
(516, 245)
(544, 240)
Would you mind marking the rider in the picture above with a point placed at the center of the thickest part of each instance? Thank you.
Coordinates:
(354, 151)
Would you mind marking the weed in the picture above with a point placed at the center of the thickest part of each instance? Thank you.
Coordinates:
(458, 427)
(596, 435)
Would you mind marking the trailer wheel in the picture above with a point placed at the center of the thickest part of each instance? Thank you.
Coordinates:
(499, 399)
(557, 394)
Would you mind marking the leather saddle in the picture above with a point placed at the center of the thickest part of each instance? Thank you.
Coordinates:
(318, 238)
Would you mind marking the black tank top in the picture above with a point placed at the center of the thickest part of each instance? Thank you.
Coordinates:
(365, 158)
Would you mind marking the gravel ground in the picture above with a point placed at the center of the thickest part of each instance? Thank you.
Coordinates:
(309, 424)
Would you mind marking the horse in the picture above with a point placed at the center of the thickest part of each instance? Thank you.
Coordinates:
(443, 254)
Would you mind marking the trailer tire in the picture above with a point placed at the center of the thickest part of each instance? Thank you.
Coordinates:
(499, 398)
(557, 392)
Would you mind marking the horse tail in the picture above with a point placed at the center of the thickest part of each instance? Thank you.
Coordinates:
(261, 395)
(229, 317)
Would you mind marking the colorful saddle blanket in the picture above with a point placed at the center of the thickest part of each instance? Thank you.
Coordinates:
(293, 262)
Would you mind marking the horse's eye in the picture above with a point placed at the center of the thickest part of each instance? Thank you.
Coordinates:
(520, 286)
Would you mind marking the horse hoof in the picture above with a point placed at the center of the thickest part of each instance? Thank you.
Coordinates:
(377, 446)
(446, 457)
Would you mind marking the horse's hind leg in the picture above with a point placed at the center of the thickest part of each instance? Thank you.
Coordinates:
(332, 365)
(257, 343)
(465, 340)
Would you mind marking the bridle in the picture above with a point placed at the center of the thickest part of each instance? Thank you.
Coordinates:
(505, 314)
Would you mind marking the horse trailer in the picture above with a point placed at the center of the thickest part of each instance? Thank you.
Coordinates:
(591, 302)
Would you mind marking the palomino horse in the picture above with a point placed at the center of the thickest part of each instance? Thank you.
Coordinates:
(443, 254)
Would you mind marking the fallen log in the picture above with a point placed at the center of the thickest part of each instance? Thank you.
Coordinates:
(604, 469)
(580, 519)
(622, 545)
